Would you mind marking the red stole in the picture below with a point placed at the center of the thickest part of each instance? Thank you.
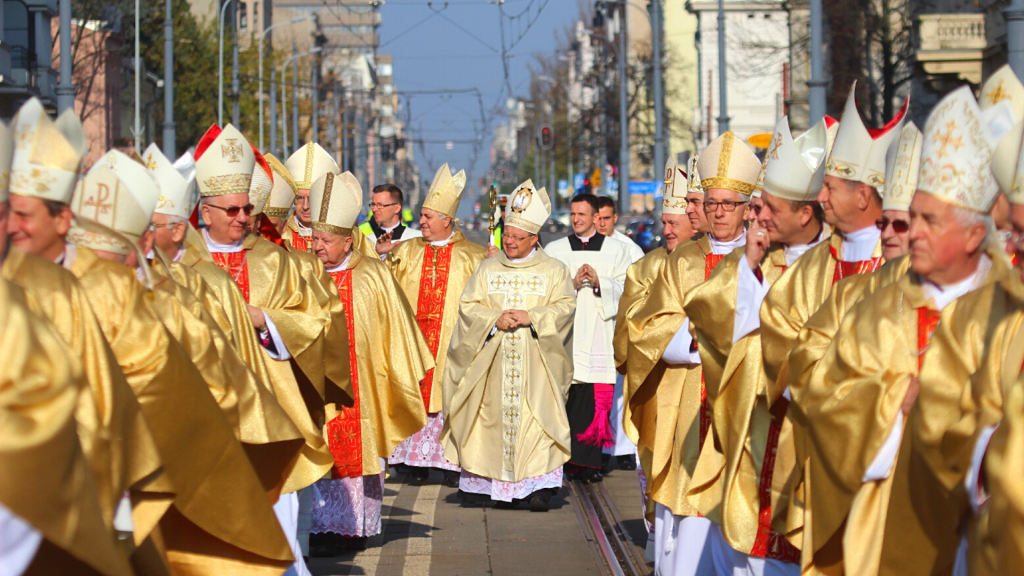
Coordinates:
(844, 268)
(269, 231)
(236, 264)
(710, 261)
(430, 305)
(345, 431)
(298, 242)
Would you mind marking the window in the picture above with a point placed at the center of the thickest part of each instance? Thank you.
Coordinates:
(19, 34)
(256, 16)
(384, 69)
(243, 20)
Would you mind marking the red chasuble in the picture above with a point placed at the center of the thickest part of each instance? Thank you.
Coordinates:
(344, 432)
(299, 243)
(235, 264)
(430, 305)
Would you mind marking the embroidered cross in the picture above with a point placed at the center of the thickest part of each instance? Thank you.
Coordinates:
(947, 139)
(232, 150)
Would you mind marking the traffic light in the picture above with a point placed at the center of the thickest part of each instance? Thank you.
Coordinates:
(547, 138)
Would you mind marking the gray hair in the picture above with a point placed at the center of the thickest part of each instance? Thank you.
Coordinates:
(969, 218)
(175, 220)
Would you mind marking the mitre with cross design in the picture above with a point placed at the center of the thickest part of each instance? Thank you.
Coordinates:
(119, 194)
(47, 154)
(262, 183)
(282, 192)
(445, 191)
(902, 165)
(528, 208)
(224, 162)
(693, 176)
(858, 153)
(1004, 90)
(674, 201)
(335, 202)
(177, 191)
(1003, 86)
(728, 163)
(956, 154)
(795, 167)
(309, 163)
(6, 155)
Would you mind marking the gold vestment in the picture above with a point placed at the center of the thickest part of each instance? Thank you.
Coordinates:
(1003, 546)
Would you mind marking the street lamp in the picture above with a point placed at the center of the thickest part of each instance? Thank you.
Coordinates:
(262, 34)
(284, 93)
(220, 66)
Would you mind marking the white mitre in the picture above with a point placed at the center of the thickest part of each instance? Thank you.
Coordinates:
(47, 154)
(177, 192)
(795, 168)
(858, 153)
(309, 163)
(224, 162)
(334, 204)
(902, 166)
(1004, 90)
(528, 208)
(6, 155)
(674, 201)
(119, 194)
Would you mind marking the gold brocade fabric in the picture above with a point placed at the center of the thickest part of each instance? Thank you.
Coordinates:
(277, 287)
(362, 244)
(1002, 549)
(46, 480)
(639, 277)
(205, 467)
(677, 392)
(392, 358)
(406, 263)
(509, 389)
(725, 486)
(290, 227)
(113, 433)
(852, 399)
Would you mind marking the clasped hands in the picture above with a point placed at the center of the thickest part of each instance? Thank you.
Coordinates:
(586, 273)
(511, 319)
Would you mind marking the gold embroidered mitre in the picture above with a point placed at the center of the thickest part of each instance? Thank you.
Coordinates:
(224, 162)
(261, 184)
(528, 208)
(118, 193)
(335, 202)
(1004, 90)
(47, 154)
(728, 163)
(795, 167)
(309, 163)
(693, 176)
(859, 153)
(674, 201)
(177, 191)
(956, 154)
(902, 164)
(6, 155)
(282, 193)
(446, 191)
(1003, 85)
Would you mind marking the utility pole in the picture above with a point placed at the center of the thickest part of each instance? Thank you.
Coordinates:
(137, 130)
(659, 97)
(1014, 14)
(623, 113)
(723, 104)
(169, 136)
(315, 112)
(817, 83)
(295, 97)
(234, 66)
(273, 110)
(332, 135)
(65, 90)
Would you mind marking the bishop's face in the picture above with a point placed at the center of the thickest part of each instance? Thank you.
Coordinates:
(227, 217)
(725, 211)
(434, 226)
(302, 206)
(331, 249)
(940, 245)
(36, 229)
(695, 212)
(518, 243)
(675, 228)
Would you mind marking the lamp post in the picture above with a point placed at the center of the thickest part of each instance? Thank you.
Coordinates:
(65, 90)
(169, 136)
(284, 94)
(1014, 14)
(723, 102)
(817, 83)
(659, 98)
(220, 65)
(262, 34)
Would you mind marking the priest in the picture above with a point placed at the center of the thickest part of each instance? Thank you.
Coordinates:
(598, 267)
(509, 367)
(432, 271)
(385, 229)
(388, 356)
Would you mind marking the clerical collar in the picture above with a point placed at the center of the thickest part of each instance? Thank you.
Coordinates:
(179, 255)
(444, 242)
(524, 259)
(943, 295)
(396, 230)
(343, 266)
(719, 247)
(218, 247)
(794, 252)
(67, 257)
(303, 231)
(860, 245)
(588, 238)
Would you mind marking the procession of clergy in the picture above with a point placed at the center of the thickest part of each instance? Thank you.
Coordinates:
(817, 373)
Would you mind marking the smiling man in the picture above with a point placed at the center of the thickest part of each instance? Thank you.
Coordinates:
(386, 229)
(598, 266)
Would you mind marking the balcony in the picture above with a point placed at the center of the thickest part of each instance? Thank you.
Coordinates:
(952, 48)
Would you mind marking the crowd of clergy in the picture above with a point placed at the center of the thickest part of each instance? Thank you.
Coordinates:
(208, 366)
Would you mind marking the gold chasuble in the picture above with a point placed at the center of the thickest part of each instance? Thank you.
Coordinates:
(221, 517)
(508, 389)
(112, 430)
(389, 358)
(683, 414)
(737, 479)
(857, 390)
(295, 241)
(1003, 548)
(46, 480)
(432, 279)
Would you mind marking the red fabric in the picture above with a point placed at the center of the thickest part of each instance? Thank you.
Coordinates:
(769, 544)
(927, 320)
(262, 163)
(430, 305)
(269, 231)
(236, 264)
(830, 121)
(876, 133)
(206, 141)
(710, 261)
(299, 243)
(599, 433)
(194, 217)
(844, 268)
(345, 431)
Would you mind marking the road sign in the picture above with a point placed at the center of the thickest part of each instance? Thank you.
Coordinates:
(563, 189)
(760, 140)
(642, 187)
(595, 178)
(577, 181)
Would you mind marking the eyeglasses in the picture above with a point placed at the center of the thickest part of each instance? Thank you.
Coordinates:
(508, 237)
(233, 211)
(727, 205)
(376, 206)
(898, 226)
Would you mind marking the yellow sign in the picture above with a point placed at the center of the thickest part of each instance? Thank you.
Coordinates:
(760, 140)
(595, 178)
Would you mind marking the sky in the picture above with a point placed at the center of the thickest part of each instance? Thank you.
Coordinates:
(456, 45)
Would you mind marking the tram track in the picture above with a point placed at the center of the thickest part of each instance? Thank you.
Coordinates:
(605, 531)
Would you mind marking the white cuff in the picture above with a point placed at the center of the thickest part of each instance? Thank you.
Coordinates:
(749, 294)
(881, 466)
(679, 349)
(282, 352)
(19, 542)
(975, 491)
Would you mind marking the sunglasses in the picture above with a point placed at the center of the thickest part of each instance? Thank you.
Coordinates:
(234, 210)
(898, 226)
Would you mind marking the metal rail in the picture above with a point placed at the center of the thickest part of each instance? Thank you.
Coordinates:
(604, 529)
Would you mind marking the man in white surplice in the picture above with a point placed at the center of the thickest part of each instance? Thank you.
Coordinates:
(598, 268)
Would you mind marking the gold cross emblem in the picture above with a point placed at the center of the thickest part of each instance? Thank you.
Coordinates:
(100, 202)
(947, 139)
(232, 150)
(776, 144)
(997, 95)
